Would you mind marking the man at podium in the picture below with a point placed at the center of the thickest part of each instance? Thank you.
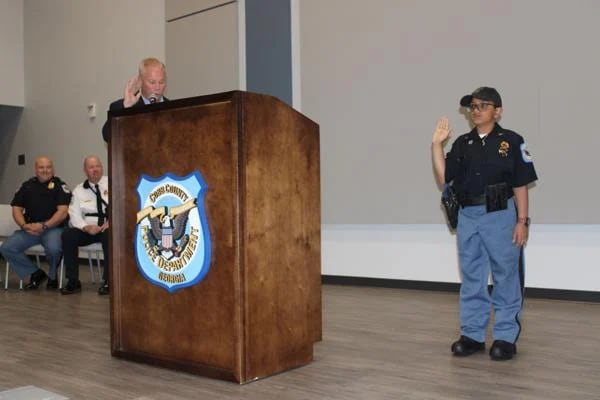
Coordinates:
(147, 87)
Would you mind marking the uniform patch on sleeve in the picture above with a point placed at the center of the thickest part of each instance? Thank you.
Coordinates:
(65, 188)
(525, 154)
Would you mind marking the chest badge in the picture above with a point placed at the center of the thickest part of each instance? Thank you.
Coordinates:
(503, 149)
(51, 185)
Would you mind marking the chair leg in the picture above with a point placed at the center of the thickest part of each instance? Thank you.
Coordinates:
(91, 266)
(99, 265)
(6, 278)
(61, 273)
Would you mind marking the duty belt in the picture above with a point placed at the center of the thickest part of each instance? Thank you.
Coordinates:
(472, 201)
(468, 201)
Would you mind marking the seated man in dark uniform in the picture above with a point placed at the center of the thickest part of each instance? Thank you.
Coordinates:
(40, 208)
(88, 223)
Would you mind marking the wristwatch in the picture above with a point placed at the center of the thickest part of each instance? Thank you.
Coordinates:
(44, 226)
(525, 221)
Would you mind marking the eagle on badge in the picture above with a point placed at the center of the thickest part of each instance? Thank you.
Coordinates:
(503, 149)
(166, 231)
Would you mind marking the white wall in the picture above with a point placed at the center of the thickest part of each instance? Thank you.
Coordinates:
(183, 8)
(200, 67)
(76, 53)
(376, 76)
(556, 257)
(11, 53)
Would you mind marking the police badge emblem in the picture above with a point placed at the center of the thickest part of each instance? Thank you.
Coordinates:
(172, 240)
(503, 149)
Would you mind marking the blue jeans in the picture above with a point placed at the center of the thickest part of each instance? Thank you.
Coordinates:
(13, 250)
(485, 245)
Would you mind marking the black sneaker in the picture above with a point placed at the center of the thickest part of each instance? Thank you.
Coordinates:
(73, 286)
(103, 290)
(465, 346)
(37, 278)
(502, 350)
(52, 284)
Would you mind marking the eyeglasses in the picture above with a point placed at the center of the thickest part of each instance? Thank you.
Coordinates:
(479, 107)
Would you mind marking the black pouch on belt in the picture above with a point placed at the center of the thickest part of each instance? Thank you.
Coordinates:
(496, 197)
(451, 205)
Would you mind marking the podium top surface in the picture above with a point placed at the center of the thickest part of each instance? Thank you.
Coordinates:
(234, 95)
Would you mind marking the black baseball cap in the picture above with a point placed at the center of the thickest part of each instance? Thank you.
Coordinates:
(482, 93)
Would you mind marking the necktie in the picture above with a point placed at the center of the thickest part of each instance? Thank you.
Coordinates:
(99, 206)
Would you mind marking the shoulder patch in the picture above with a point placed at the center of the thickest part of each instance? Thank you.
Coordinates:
(525, 154)
(65, 188)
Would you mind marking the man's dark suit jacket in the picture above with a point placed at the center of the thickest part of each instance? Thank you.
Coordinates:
(118, 105)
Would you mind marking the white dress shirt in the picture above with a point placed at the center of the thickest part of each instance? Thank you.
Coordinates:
(83, 202)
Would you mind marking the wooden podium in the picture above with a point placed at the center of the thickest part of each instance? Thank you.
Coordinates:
(257, 311)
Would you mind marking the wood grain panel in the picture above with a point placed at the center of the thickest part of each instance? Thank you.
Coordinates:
(258, 311)
(282, 235)
(200, 322)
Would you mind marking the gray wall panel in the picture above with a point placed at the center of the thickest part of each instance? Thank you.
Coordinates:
(268, 48)
(12, 53)
(76, 53)
(376, 76)
(202, 52)
(180, 8)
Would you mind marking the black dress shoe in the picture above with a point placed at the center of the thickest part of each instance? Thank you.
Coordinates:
(37, 278)
(103, 290)
(465, 346)
(502, 350)
(72, 287)
(52, 284)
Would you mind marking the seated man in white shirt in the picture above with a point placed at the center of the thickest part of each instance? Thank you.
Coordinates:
(88, 223)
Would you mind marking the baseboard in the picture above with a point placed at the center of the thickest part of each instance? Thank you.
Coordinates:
(535, 293)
